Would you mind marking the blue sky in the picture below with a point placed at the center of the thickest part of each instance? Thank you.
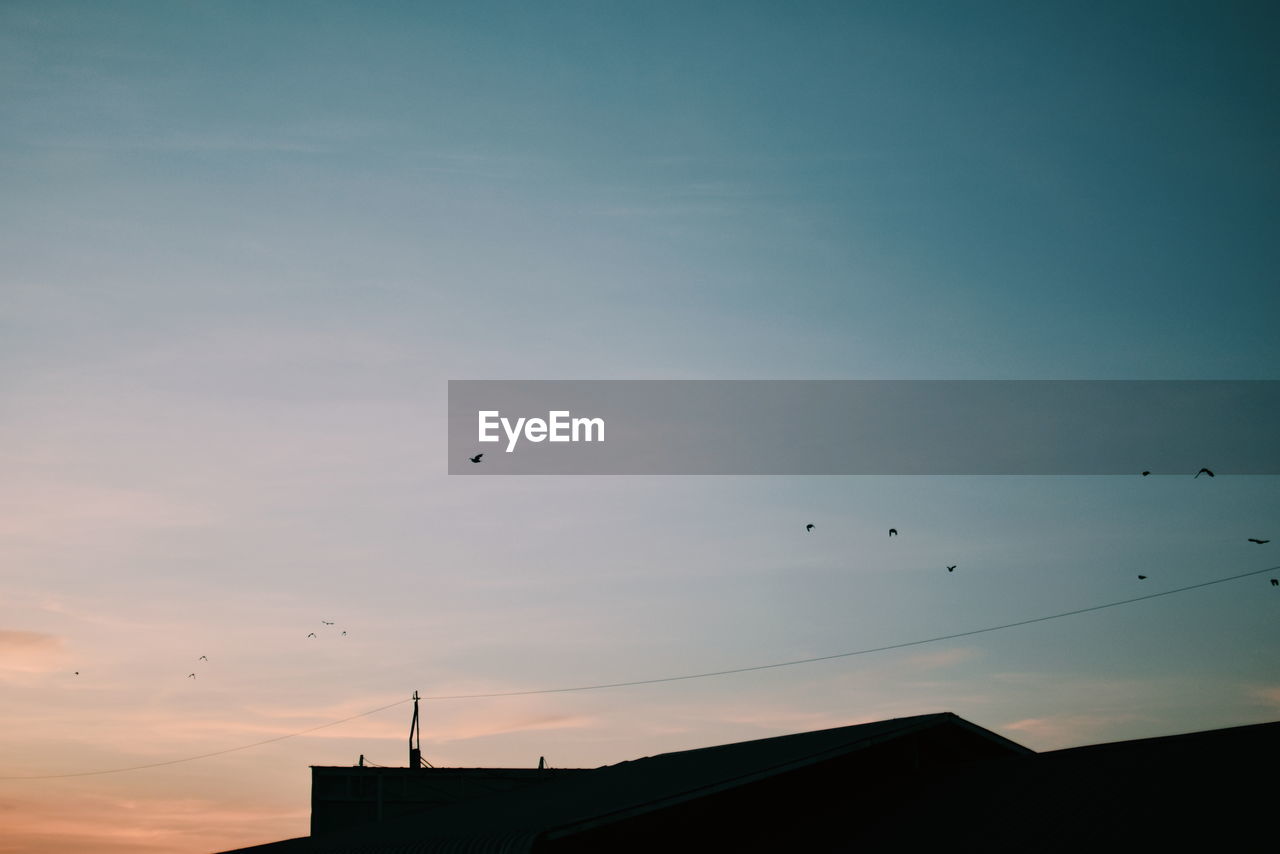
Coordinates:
(247, 244)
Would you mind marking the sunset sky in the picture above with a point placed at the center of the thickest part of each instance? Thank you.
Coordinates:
(247, 244)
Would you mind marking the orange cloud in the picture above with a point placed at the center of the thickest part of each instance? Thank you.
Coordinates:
(451, 723)
(48, 511)
(30, 652)
(1269, 695)
(1051, 733)
(481, 728)
(942, 658)
(95, 823)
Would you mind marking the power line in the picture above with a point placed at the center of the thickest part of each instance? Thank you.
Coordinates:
(214, 753)
(868, 651)
(777, 664)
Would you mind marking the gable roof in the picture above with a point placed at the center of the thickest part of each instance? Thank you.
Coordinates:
(512, 821)
(1195, 791)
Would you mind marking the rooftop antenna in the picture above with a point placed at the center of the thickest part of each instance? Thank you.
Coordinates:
(415, 739)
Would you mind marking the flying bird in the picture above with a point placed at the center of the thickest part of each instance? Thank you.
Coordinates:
(191, 676)
(344, 634)
(1145, 473)
(203, 658)
(326, 622)
(311, 635)
(476, 458)
(1142, 578)
(809, 527)
(1259, 542)
(893, 532)
(1203, 471)
(951, 568)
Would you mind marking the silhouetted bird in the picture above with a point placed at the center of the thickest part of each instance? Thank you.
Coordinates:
(809, 527)
(1275, 582)
(326, 622)
(1259, 542)
(311, 635)
(893, 532)
(191, 676)
(1142, 578)
(1145, 473)
(203, 658)
(476, 458)
(344, 634)
(951, 568)
(1203, 471)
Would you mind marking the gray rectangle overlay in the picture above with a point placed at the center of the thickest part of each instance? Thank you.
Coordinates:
(876, 427)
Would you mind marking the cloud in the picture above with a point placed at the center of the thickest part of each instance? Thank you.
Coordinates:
(106, 824)
(30, 652)
(391, 725)
(781, 719)
(1059, 731)
(942, 658)
(1268, 694)
(49, 510)
(469, 729)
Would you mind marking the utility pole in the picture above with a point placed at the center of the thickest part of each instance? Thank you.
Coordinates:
(415, 739)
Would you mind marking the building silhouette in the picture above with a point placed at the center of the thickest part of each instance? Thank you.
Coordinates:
(904, 784)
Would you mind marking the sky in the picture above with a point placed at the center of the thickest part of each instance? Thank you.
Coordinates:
(246, 245)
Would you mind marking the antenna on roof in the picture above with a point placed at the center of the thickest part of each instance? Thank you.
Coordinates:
(415, 739)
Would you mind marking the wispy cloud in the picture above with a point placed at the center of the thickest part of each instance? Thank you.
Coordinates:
(30, 652)
(481, 728)
(1057, 731)
(1268, 694)
(133, 823)
(53, 509)
(942, 658)
(446, 725)
(782, 719)
(192, 142)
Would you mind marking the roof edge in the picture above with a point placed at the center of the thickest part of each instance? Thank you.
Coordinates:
(917, 723)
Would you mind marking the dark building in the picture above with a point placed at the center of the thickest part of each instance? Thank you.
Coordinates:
(349, 796)
(903, 784)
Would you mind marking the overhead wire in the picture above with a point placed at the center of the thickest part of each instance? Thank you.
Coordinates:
(684, 677)
(867, 651)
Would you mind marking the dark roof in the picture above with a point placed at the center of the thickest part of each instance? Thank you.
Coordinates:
(1195, 790)
(513, 821)
(918, 783)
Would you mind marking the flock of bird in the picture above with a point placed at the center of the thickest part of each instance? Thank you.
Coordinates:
(893, 532)
(809, 527)
(309, 634)
(326, 623)
(205, 658)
